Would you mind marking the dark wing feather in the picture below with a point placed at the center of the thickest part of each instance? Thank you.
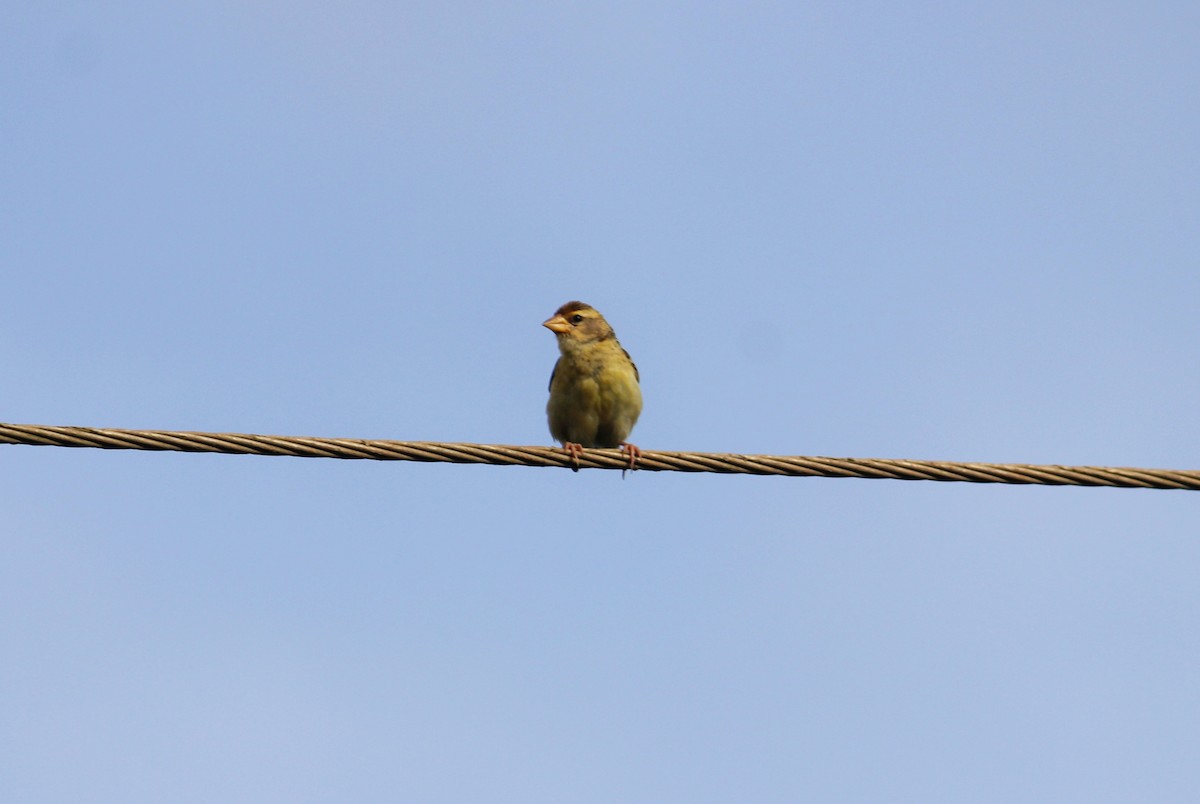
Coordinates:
(555, 371)
(636, 376)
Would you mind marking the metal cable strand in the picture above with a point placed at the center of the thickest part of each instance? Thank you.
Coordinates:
(501, 455)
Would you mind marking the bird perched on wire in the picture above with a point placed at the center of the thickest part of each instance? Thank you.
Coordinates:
(595, 396)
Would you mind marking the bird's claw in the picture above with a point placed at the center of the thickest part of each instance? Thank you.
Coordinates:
(633, 452)
(575, 451)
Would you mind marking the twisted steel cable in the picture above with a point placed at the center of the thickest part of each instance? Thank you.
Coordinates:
(500, 455)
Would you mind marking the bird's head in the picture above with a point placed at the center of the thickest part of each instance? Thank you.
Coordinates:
(576, 324)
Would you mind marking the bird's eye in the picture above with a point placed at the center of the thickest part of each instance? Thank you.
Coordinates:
(575, 319)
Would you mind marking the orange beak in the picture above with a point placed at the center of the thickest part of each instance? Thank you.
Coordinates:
(558, 325)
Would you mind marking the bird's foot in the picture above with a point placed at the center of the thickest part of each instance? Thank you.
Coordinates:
(575, 451)
(633, 452)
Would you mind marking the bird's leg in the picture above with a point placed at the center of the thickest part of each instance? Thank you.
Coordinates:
(633, 452)
(575, 451)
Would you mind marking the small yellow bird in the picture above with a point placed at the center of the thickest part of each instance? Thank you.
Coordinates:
(595, 398)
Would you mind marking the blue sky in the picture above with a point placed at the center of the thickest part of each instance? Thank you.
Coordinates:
(956, 232)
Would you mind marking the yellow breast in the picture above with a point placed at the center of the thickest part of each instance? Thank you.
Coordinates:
(595, 398)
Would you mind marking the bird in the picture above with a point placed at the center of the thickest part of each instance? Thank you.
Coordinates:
(595, 390)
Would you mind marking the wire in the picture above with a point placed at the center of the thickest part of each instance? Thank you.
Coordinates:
(496, 454)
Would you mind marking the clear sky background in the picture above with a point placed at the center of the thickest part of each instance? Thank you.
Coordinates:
(932, 230)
